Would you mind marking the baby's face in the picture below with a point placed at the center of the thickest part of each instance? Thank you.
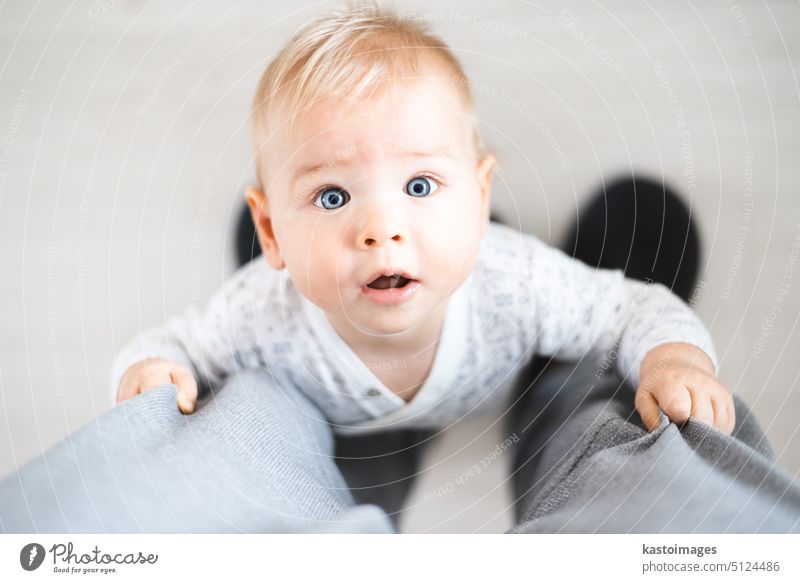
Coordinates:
(388, 186)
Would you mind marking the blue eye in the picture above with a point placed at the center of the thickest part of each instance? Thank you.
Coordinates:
(332, 198)
(419, 186)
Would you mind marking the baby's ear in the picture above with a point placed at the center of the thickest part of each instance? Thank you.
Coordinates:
(484, 173)
(262, 220)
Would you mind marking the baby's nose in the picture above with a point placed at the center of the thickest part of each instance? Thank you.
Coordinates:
(379, 228)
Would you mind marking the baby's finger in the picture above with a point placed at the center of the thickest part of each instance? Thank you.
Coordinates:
(647, 406)
(725, 415)
(154, 377)
(676, 403)
(187, 389)
(702, 408)
(731, 414)
(720, 413)
(128, 386)
(126, 390)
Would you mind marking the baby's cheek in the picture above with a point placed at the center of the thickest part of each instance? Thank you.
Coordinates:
(329, 266)
(303, 263)
(463, 211)
(453, 256)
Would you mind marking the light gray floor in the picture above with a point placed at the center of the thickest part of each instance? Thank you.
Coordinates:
(124, 149)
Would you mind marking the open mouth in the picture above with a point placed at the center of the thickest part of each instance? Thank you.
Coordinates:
(389, 281)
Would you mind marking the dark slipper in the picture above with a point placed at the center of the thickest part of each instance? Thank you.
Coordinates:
(641, 227)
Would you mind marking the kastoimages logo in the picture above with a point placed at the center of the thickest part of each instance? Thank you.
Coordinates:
(31, 556)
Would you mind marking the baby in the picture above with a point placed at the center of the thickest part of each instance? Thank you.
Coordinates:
(385, 293)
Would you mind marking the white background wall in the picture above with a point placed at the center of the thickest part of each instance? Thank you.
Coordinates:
(124, 149)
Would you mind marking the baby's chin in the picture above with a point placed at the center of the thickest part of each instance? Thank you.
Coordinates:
(385, 322)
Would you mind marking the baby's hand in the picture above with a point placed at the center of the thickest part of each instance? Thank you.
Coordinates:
(153, 372)
(677, 379)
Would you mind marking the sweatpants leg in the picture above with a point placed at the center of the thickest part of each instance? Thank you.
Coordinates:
(380, 468)
(255, 457)
(585, 463)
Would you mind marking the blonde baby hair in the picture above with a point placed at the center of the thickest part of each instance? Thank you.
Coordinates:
(352, 52)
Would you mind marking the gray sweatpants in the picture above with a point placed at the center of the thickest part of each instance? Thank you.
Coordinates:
(260, 458)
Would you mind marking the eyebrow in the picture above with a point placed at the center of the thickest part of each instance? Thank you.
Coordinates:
(307, 169)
